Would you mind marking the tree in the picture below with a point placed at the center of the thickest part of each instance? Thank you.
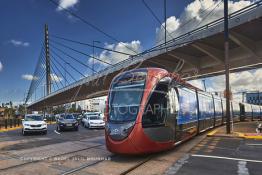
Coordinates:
(21, 109)
(79, 109)
(59, 109)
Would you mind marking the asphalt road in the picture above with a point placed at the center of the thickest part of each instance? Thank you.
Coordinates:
(220, 155)
(38, 139)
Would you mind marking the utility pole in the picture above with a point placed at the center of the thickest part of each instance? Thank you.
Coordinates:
(65, 71)
(226, 43)
(165, 18)
(93, 65)
(47, 62)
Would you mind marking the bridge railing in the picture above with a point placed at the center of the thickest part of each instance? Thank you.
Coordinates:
(210, 25)
(175, 42)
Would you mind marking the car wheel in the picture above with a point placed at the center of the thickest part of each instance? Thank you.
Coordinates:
(76, 128)
(23, 132)
(45, 132)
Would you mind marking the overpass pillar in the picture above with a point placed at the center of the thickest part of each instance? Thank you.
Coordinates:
(226, 38)
(47, 62)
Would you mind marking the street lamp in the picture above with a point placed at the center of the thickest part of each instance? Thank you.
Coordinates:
(94, 55)
(66, 63)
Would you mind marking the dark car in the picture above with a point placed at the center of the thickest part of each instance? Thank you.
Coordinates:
(67, 122)
(77, 117)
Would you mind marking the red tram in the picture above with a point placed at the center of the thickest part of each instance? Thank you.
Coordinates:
(150, 110)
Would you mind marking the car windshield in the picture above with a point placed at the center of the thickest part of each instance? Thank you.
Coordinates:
(95, 117)
(125, 98)
(34, 118)
(69, 117)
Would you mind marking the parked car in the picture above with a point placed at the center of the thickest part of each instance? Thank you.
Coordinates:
(33, 123)
(66, 121)
(93, 121)
(77, 117)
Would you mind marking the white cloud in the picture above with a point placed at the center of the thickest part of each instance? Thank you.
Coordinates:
(197, 83)
(113, 57)
(19, 43)
(1, 66)
(56, 78)
(194, 16)
(65, 4)
(29, 77)
(239, 82)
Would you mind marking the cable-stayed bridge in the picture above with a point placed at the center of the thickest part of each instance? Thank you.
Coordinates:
(198, 53)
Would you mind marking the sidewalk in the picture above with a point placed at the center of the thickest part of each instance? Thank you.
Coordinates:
(245, 130)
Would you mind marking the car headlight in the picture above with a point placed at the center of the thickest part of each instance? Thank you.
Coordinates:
(45, 125)
(26, 125)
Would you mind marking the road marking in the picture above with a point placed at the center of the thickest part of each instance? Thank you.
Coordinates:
(212, 132)
(57, 132)
(174, 168)
(227, 158)
(242, 168)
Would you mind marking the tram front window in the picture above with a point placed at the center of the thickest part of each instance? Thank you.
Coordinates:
(125, 101)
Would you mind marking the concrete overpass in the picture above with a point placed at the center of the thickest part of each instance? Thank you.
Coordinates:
(198, 53)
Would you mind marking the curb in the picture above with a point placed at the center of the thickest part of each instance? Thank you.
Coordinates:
(19, 127)
(234, 135)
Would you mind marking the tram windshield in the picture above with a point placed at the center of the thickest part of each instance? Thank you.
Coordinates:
(125, 97)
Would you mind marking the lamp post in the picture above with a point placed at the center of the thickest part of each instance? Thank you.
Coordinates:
(93, 65)
(66, 63)
(226, 43)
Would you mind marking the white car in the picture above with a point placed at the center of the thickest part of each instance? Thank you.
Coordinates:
(34, 123)
(93, 121)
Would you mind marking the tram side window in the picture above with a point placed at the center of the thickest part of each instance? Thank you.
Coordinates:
(218, 108)
(156, 109)
(206, 107)
(187, 106)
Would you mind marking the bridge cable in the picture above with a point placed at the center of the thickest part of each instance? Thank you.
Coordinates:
(68, 55)
(80, 52)
(90, 45)
(59, 78)
(90, 24)
(64, 68)
(68, 64)
(56, 67)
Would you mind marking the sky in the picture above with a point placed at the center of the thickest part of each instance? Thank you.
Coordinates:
(129, 21)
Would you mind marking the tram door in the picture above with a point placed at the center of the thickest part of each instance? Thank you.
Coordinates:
(157, 122)
(172, 105)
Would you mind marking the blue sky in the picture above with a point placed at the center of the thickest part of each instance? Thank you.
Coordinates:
(24, 21)
(22, 31)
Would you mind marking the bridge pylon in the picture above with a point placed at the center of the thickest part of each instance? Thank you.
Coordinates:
(47, 62)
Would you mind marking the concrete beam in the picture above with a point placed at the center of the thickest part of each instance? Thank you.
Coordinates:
(193, 61)
(244, 42)
(212, 52)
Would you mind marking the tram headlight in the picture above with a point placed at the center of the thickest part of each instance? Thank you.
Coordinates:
(126, 129)
(119, 131)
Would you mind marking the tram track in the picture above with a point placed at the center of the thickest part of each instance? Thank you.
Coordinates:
(50, 157)
(129, 170)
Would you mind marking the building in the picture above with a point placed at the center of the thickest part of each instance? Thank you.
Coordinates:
(254, 98)
(96, 104)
